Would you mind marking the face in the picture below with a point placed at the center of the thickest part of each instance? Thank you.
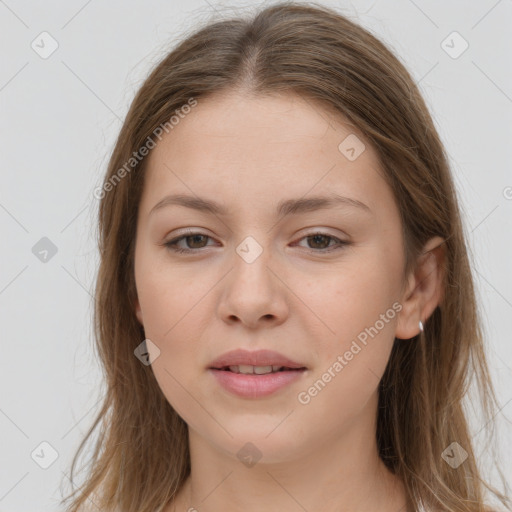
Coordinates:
(319, 284)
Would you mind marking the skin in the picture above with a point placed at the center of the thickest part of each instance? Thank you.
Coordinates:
(249, 153)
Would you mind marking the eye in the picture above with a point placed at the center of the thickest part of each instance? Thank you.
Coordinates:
(319, 239)
(193, 238)
(198, 240)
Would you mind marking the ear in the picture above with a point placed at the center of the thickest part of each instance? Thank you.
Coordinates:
(138, 312)
(424, 290)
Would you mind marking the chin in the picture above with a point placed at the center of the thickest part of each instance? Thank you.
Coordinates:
(261, 442)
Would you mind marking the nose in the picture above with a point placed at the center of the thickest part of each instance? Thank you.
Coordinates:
(254, 293)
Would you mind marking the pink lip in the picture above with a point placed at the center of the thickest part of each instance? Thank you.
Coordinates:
(255, 386)
(254, 358)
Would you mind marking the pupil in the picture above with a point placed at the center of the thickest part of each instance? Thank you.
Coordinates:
(194, 237)
(316, 237)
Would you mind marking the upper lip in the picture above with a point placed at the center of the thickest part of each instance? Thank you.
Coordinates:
(254, 358)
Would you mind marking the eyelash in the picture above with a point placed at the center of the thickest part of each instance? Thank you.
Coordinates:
(171, 244)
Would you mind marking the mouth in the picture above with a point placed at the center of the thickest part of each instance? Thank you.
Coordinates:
(255, 374)
(259, 362)
(256, 382)
(257, 370)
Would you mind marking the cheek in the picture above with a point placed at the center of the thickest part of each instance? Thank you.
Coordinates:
(177, 309)
(165, 294)
(171, 306)
(358, 311)
(352, 353)
(339, 304)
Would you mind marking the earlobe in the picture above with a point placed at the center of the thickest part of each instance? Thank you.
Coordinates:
(138, 312)
(424, 291)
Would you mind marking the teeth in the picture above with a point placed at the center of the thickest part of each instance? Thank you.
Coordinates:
(262, 369)
(258, 370)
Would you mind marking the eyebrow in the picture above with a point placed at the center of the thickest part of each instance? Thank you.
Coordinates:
(285, 207)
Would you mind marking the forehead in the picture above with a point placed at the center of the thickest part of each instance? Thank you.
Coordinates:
(238, 148)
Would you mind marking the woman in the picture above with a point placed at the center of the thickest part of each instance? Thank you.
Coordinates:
(285, 308)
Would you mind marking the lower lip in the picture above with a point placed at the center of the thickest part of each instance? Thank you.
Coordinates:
(255, 386)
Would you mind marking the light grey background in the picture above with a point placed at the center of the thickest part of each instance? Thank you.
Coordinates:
(59, 119)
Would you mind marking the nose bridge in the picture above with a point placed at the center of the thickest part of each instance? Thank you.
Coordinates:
(251, 263)
(250, 250)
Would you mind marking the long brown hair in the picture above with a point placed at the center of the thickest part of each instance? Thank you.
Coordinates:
(141, 456)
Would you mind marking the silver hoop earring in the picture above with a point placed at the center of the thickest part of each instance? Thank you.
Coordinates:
(421, 326)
